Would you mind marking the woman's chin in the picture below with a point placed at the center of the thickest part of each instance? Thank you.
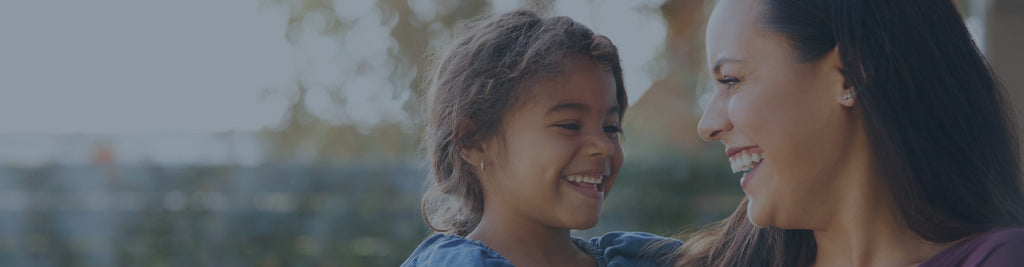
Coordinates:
(756, 222)
(756, 216)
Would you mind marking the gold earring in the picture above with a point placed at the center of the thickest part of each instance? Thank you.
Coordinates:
(481, 166)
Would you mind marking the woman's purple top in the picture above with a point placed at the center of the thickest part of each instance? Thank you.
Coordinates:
(999, 247)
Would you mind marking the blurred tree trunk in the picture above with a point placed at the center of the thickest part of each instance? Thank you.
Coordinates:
(668, 112)
(1004, 36)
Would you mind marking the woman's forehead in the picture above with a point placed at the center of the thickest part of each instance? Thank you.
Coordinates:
(731, 26)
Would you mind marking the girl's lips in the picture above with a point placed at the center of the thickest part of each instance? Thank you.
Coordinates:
(589, 190)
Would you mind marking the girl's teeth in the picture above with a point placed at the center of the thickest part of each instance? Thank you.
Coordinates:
(585, 179)
(756, 157)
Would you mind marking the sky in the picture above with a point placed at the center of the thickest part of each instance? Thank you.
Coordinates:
(199, 66)
(122, 66)
(183, 81)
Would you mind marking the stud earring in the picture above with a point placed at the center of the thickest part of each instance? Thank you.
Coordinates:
(847, 96)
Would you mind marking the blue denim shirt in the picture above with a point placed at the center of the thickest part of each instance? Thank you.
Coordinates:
(611, 249)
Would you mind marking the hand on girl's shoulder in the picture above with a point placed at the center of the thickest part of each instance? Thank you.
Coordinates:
(453, 250)
(635, 248)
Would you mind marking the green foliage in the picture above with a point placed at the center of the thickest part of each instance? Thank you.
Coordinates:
(356, 214)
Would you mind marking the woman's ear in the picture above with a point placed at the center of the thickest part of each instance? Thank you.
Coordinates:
(849, 98)
(839, 82)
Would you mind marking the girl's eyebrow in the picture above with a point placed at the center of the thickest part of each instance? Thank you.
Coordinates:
(613, 110)
(569, 106)
(578, 107)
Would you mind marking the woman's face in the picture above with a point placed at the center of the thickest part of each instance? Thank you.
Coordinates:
(561, 152)
(784, 123)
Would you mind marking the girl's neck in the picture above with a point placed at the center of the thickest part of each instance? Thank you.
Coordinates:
(526, 242)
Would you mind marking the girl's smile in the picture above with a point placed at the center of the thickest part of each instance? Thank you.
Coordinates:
(588, 184)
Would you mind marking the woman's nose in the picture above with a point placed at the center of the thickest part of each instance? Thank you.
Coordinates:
(715, 121)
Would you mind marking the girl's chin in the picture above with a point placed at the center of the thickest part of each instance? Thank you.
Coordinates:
(583, 224)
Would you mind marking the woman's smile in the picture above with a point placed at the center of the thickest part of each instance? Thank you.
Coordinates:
(745, 160)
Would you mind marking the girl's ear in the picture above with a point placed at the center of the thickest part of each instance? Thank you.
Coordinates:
(473, 154)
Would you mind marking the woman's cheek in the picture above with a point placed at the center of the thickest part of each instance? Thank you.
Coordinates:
(743, 112)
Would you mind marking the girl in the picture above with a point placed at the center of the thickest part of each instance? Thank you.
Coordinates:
(869, 132)
(522, 136)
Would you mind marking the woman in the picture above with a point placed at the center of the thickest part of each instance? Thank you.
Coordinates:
(869, 132)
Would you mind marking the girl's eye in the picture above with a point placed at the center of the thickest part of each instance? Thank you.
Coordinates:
(729, 81)
(576, 127)
(570, 126)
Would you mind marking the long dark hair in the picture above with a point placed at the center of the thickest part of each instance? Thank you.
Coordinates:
(939, 125)
(479, 78)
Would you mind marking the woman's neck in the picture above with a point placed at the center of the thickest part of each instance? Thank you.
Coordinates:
(866, 229)
(525, 242)
(872, 241)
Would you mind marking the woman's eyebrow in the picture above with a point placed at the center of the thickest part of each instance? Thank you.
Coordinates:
(721, 61)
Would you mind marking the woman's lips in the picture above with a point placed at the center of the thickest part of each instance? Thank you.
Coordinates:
(748, 176)
(745, 160)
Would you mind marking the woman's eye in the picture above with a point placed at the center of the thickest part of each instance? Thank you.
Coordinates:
(612, 129)
(569, 126)
(729, 81)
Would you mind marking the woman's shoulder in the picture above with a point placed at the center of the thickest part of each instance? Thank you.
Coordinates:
(997, 247)
(453, 250)
(1000, 247)
(633, 248)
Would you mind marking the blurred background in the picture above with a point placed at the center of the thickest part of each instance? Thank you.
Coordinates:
(286, 132)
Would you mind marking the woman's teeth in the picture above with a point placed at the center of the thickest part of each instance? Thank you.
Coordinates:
(585, 179)
(744, 161)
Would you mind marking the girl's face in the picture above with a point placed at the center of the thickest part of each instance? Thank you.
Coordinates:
(784, 123)
(561, 151)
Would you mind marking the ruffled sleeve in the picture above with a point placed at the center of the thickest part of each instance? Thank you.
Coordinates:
(633, 249)
(450, 250)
